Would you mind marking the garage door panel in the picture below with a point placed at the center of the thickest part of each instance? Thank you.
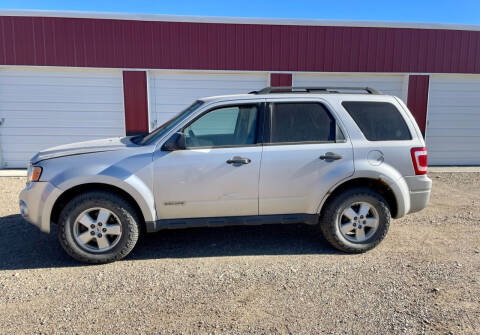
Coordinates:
(446, 124)
(25, 142)
(456, 142)
(45, 108)
(432, 133)
(84, 106)
(32, 123)
(63, 131)
(460, 158)
(52, 80)
(199, 92)
(453, 127)
(60, 94)
(442, 109)
(447, 114)
(74, 116)
(170, 93)
(388, 84)
(210, 82)
(460, 99)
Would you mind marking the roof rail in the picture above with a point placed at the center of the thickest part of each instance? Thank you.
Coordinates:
(323, 89)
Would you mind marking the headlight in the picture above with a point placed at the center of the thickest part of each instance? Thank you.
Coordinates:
(34, 173)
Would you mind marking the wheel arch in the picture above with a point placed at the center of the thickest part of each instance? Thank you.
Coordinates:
(391, 193)
(70, 193)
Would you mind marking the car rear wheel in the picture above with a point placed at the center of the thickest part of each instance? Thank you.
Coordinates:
(98, 227)
(356, 220)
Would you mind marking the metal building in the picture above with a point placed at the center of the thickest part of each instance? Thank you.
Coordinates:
(68, 77)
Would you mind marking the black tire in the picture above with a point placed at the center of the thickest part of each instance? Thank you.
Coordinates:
(329, 219)
(129, 221)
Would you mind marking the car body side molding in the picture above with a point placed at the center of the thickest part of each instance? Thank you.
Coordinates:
(251, 220)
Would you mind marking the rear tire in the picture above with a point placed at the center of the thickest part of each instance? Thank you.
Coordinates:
(355, 221)
(98, 227)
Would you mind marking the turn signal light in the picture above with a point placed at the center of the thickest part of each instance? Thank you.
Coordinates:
(34, 173)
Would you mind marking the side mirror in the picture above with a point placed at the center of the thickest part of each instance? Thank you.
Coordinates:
(175, 142)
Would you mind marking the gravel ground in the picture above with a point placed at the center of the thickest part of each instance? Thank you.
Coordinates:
(423, 278)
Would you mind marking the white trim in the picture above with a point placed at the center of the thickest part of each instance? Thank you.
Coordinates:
(406, 81)
(234, 20)
(1, 151)
(123, 106)
(149, 102)
(428, 108)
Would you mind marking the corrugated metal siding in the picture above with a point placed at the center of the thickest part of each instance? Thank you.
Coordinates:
(393, 84)
(46, 108)
(171, 91)
(453, 129)
(418, 99)
(135, 101)
(219, 46)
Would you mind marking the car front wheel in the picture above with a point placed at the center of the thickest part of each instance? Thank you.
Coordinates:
(98, 227)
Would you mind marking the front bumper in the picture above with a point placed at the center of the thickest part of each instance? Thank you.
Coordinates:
(36, 202)
(420, 188)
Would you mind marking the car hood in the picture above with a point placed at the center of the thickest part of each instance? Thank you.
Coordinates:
(79, 148)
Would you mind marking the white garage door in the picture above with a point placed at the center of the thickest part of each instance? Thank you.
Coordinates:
(171, 92)
(453, 120)
(388, 84)
(45, 108)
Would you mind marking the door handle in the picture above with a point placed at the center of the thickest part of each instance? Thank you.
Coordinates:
(331, 156)
(238, 160)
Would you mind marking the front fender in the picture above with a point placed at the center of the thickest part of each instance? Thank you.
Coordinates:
(134, 186)
(128, 170)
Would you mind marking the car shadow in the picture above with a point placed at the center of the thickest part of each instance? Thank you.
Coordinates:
(23, 246)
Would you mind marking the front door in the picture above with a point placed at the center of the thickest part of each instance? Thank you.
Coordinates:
(217, 174)
(304, 155)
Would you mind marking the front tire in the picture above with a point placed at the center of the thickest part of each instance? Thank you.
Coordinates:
(355, 221)
(98, 227)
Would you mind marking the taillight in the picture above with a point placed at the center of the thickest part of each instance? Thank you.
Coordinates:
(419, 160)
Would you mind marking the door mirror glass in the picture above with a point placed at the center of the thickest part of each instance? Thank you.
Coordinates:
(175, 142)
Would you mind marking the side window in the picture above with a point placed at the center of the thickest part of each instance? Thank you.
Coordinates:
(226, 126)
(378, 121)
(302, 122)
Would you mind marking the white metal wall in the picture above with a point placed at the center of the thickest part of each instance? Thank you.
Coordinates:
(394, 84)
(453, 120)
(171, 92)
(42, 108)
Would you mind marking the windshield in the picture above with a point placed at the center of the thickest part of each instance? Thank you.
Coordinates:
(167, 126)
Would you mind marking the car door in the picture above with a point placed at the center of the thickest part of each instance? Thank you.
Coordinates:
(217, 174)
(306, 152)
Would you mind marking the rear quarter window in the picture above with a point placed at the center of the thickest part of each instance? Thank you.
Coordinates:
(378, 121)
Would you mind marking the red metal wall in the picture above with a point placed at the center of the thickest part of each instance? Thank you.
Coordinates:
(217, 46)
(135, 101)
(280, 79)
(418, 99)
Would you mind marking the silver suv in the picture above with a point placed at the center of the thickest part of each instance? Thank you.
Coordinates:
(346, 160)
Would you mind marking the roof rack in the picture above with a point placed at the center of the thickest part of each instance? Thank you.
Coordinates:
(293, 89)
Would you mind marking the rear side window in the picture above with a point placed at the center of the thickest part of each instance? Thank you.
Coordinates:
(378, 121)
(301, 122)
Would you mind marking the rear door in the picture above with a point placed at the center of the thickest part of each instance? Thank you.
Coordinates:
(306, 152)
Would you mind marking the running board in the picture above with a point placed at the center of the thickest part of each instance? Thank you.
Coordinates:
(249, 220)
